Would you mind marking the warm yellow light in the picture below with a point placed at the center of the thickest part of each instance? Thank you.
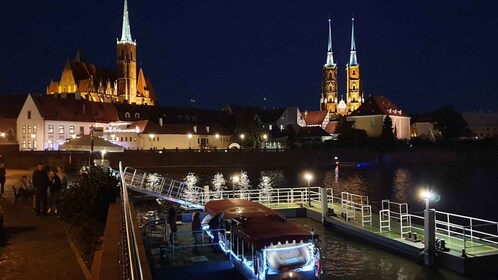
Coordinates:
(235, 179)
(308, 176)
(265, 136)
(2, 134)
(151, 136)
(189, 136)
(426, 194)
(217, 135)
(103, 153)
(242, 136)
(33, 136)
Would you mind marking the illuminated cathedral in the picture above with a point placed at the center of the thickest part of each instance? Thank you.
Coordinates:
(354, 94)
(93, 83)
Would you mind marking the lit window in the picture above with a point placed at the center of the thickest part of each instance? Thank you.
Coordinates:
(24, 144)
(372, 122)
(34, 144)
(23, 129)
(71, 129)
(50, 145)
(29, 144)
(50, 129)
(61, 129)
(281, 127)
(29, 129)
(35, 129)
(270, 127)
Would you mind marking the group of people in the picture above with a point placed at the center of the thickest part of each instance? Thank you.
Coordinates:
(47, 185)
(215, 225)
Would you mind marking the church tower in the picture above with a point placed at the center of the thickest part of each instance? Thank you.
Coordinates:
(126, 52)
(354, 96)
(329, 80)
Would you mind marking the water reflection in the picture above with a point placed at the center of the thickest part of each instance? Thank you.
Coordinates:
(401, 185)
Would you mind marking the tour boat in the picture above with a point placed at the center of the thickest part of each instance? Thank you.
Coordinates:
(263, 243)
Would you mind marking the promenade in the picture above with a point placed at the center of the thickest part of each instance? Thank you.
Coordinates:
(33, 247)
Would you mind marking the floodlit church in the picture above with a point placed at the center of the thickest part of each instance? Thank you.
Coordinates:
(354, 95)
(125, 84)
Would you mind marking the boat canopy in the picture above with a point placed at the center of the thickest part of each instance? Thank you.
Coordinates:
(258, 224)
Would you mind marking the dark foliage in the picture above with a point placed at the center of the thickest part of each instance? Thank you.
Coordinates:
(246, 124)
(387, 133)
(450, 123)
(353, 138)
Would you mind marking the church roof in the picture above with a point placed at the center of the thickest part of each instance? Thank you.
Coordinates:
(67, 109)
(83, 71)
(378, 105)
(315, 117)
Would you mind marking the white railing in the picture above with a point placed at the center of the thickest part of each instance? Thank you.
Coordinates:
(398, 212)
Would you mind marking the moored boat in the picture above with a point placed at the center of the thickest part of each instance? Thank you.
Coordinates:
(262, 242)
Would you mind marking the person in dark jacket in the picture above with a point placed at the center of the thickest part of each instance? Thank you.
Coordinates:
(40, 185)
(54, 188)
(2, 178)
(196, 229)
(214, 227)
(172, 223)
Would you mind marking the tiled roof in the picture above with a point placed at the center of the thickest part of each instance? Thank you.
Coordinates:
(270, 116)
(337, 127)
(66, 109)
(311, 131)
(378, 105)
(314, 117)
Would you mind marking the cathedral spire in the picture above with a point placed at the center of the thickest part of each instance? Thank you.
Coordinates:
(126, 31)
(352, 57)
(330, 54)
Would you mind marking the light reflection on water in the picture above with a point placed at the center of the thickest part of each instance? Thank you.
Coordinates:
(467, 189)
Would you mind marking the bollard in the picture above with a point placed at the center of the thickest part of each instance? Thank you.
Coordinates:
(429, 236)
(323, 203)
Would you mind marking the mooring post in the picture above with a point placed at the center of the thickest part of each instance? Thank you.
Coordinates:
(429, 236)
(323, 203)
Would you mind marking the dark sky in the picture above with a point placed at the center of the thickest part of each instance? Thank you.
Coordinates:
(420, 54)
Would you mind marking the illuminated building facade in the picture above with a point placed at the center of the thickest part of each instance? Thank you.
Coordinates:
(93, 83)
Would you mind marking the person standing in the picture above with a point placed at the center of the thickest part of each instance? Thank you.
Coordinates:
(40, 184)
(214, 227)
(62, 177)
(2, 178)
(172, 223)
(54, 187)
(196, 229)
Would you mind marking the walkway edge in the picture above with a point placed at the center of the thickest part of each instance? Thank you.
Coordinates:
(77, 254)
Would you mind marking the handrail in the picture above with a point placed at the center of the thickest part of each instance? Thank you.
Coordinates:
(134, 262)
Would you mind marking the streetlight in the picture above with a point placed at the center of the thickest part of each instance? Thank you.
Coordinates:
(309, 177)
(265, 137)
(427, 195)
(235, 180)
(217, 136)
(189, 140)
(151, 136)
(242, 136)
(103, 154)
(3, 136)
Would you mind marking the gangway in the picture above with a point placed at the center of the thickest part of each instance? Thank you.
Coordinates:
(156, 185)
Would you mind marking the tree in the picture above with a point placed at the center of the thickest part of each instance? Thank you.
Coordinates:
(387, 133)
(246, 123)
(153, 182)
(353, 137)
(244, 184)
(191, 192)
(450, 123)
(266, 187)
(218, 185)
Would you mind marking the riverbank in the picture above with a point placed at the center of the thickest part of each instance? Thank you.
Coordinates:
(150, 159)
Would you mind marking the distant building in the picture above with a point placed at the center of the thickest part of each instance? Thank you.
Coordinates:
(329, 100)
(423, 127)
(94, 83)
(371, 114)
(316, 118)
(46, 122)
(9, 111)
(482, 125)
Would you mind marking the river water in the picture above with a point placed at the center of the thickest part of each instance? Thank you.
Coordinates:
(467, 189)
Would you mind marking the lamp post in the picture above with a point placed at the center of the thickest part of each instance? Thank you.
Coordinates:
(242, 136)
(309, 177)
(217, 136)
(235, 180)
(189, 140)
(427, 196)
(429, 229)
(103, 155)
(151, 136)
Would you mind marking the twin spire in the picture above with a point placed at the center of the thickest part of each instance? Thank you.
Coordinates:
(126, 30)
(353, 60)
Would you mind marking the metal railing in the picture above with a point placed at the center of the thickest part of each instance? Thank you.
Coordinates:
(131, 265)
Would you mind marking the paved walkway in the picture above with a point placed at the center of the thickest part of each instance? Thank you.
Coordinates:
(33, 247)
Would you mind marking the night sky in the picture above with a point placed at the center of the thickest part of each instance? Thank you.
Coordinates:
(420, 54)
